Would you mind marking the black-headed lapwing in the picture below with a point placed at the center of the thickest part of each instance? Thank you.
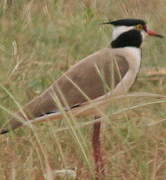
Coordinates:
(113, 68)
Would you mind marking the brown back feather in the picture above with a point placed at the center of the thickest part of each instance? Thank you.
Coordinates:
(95, 75)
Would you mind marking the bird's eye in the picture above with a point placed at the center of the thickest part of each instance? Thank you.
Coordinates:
(139, 27)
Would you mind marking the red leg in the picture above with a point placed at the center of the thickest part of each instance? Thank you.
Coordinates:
(99, 163)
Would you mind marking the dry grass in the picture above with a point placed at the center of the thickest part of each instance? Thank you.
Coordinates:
(42, 39)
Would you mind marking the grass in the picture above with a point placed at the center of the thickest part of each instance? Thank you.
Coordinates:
(39, 40)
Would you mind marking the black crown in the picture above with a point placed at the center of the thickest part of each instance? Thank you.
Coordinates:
(127, 22)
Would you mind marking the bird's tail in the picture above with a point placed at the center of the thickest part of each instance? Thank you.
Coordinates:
(4, 131)
(14, 123)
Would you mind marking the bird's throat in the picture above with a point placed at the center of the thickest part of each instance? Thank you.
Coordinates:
(131, 38)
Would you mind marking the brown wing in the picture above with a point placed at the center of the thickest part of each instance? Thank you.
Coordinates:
(91, 78)
(88, 79)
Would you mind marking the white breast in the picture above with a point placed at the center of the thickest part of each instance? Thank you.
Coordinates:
(133, 57)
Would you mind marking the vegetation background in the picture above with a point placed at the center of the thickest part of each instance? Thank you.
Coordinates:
(41, 39)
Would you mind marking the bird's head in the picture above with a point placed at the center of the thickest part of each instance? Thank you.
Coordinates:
(130, 32)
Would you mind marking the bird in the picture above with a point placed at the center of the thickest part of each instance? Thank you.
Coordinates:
(112, 69)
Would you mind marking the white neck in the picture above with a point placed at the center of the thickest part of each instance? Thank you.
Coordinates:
(133, 57)
(134, 52)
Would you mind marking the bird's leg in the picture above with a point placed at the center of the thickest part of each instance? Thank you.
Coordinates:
(99, 163)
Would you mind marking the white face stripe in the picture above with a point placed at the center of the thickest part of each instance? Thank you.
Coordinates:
(118, 30)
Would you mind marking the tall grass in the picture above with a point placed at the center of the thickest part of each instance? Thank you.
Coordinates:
(39, 40)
